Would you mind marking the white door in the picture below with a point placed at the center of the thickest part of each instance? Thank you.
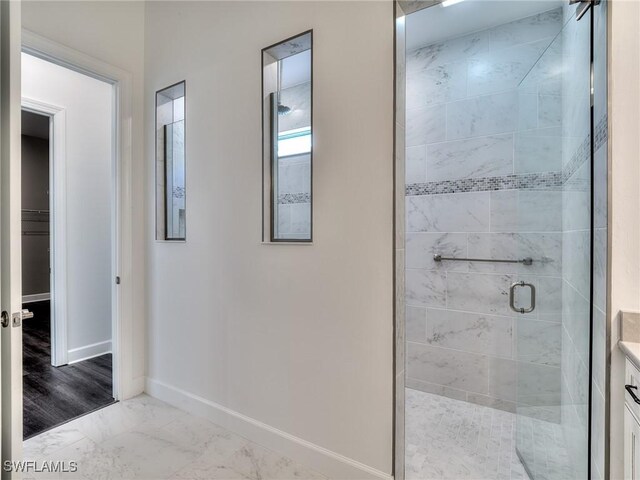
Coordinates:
(10, 237)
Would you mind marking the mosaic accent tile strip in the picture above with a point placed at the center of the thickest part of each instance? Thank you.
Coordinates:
(178, 192)
(602, 132)
(542, 181)
(290, 198)
(580, 156)
(601, 135)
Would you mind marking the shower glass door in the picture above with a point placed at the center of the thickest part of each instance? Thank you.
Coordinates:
(551, 225)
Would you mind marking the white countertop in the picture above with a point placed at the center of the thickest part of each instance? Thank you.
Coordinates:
(632, 351)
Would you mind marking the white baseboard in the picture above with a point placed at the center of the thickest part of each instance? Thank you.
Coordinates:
(36, 297)
(324, 461)
(89, 351)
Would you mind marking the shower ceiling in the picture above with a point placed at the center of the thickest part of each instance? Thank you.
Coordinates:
(437, 23)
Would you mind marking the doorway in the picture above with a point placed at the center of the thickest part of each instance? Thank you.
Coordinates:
(67, 244)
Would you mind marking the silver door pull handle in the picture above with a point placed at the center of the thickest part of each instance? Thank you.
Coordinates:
(512, 297)
(26, 314)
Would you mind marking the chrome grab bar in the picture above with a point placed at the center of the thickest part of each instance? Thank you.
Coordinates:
(439, 258)
(512, 299)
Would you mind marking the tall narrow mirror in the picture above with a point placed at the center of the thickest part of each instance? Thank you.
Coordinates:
(287, 139)
(170, 163)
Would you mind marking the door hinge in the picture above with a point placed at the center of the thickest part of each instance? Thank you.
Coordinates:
(583, 7)
(117, 280)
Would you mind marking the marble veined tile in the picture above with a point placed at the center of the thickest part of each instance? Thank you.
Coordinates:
(539, 342)
(502, 378)
(599, 432)
(456, 212)
(470, 332)
(93, 461)
(294, 175)
(576, 260)
(470, 158)
(122, 416)
(600, 186)
(426, 125)
(485, 115)
(479, 292)
(544, 248)
(204, 469)
(526, 211)
(600, 268)
(545, 77)
(259, 463)
(425, 288)
(549, 301)
(538, 385)
(438, 84)
(205, 437)
(575, 319)
(149, 439)
(549, 111)
(599, 351)
(416, 319)
(451, 368)
(536, 151)
(455, 440)
(503, 69)
(421, 247)
(149, 452)
(48, 442)
(301, 219)
(443, 53)
(416, 164)
(529, 29)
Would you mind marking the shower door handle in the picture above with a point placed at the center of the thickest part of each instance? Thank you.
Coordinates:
(512, 297)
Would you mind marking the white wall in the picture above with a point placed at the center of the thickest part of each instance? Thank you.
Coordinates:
(297, 337)
(88, 170)
(112, 32)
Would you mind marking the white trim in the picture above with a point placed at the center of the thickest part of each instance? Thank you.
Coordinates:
(327, 462)
(88, 351)
(125, 385)
(58, 238)
(36, 297)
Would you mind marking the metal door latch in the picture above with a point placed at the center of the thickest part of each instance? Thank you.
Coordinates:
(16, 318)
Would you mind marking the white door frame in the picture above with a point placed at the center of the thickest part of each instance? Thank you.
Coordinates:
(124, 384)
(58, 231)
(10, 243)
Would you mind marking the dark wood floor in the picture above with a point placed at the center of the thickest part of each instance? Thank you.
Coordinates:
(55, 395)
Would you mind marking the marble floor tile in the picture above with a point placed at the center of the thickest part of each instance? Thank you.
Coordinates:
(144, 438)
(447, 439)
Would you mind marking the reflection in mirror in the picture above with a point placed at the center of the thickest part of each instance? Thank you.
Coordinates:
(170, 163)
(287, 139)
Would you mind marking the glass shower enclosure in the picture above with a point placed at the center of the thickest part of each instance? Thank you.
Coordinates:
(539, 261)
(553, 340)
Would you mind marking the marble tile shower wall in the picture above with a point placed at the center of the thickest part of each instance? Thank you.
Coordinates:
(474, 126)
